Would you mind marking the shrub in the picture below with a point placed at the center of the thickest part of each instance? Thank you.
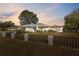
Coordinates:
(51, 30)
(19, 31)
(39, 31)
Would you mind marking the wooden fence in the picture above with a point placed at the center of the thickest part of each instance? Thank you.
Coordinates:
(66, 42)
(53, 40)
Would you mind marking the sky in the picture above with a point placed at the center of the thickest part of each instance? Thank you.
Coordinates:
(48, 13)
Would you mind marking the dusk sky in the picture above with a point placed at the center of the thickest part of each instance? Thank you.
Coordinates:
(48, 13)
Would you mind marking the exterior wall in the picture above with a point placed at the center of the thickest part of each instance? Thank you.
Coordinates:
(29, 29)
(59, 29)
(45, 29)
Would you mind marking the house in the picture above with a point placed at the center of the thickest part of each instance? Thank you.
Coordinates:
(43, 27)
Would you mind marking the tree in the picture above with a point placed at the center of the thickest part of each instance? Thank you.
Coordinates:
(27, 17)
(72, 22)
(7, 24)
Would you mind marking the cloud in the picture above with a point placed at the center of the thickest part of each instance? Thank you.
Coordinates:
(7, 14)
(50, 20)
(48, 16)
(43, 12)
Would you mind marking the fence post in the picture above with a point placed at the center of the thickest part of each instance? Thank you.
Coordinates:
(77, 42)
(50, 40)
(13, 35)
(26, 37)
(3, 34)
(71, 43)
(74, 43)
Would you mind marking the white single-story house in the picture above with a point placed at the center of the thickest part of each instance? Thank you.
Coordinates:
(44, 27)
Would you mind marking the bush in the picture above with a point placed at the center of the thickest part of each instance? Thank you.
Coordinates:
(38, 31)
(51, 30)
(19, 31)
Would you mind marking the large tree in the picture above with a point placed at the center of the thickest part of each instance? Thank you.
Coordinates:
(72, 22)
(27, 17)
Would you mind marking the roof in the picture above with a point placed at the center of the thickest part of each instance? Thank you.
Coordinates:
(40, 25)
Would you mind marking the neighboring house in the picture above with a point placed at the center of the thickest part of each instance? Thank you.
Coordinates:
(42, 27)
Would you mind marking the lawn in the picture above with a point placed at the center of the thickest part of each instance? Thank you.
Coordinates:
(10, 47)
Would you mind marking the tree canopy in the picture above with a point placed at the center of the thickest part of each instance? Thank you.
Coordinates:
(72, 21)
(5, 25)
(27, 17)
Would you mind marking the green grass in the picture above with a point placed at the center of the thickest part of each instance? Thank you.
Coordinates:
(10, 47)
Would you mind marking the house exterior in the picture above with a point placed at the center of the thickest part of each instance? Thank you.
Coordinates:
(42, 27)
